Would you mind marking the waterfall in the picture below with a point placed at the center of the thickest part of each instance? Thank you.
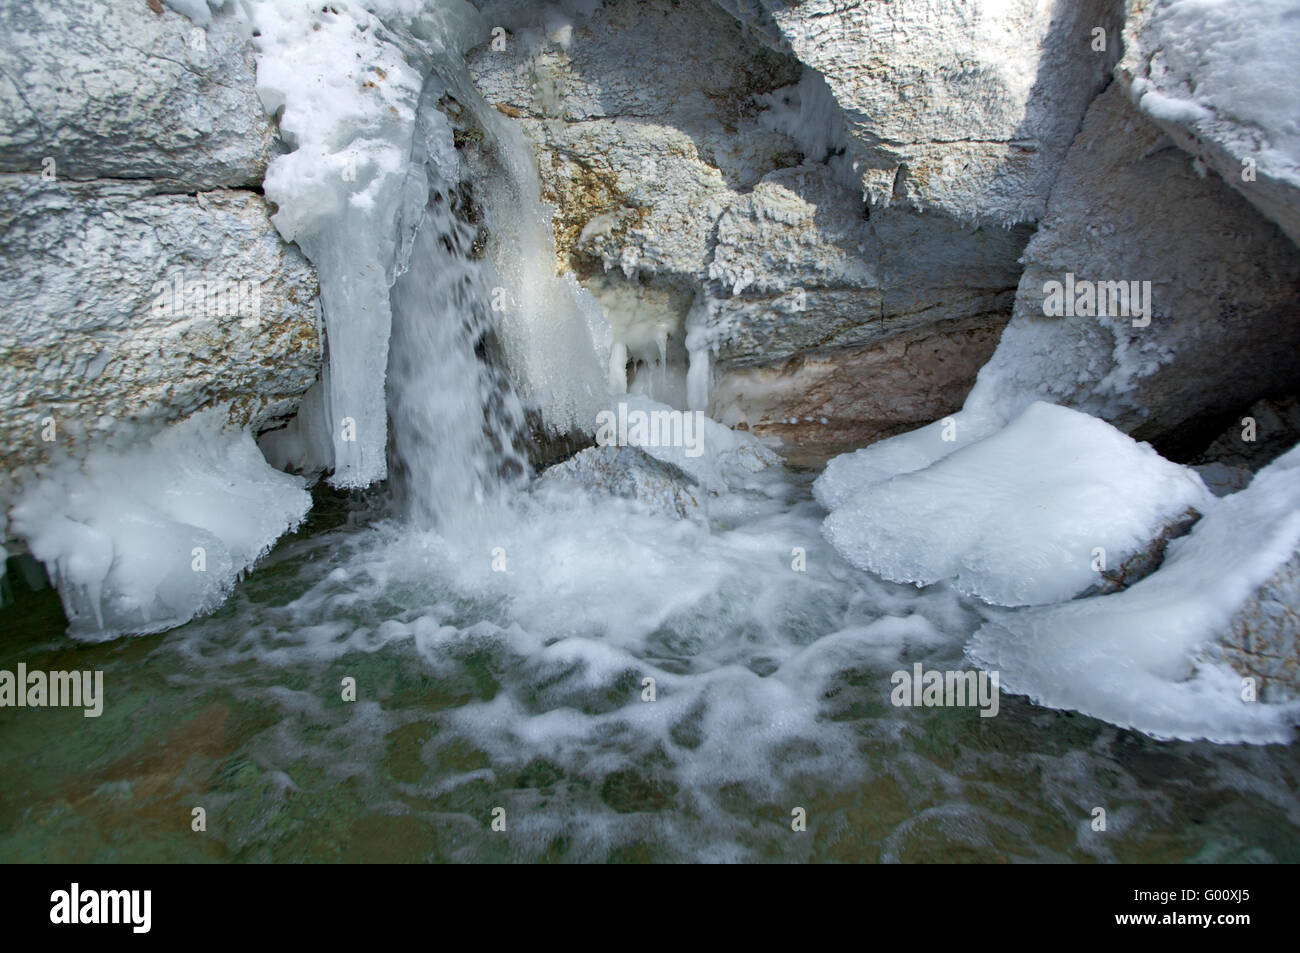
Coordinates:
(483, 329)
(456, 424)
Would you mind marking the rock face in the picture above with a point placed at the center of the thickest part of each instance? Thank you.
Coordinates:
(141, 280)
(830, 402)
(799, 266)
(1219, 83)
(705, 193)
(126, 305)
(123, 92)
(1129, 207)
(963, 107)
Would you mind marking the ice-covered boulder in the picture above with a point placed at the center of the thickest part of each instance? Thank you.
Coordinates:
(1219, 79)
(1036, 513)
(1159, 656)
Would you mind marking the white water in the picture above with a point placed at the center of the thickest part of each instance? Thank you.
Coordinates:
(457, 424)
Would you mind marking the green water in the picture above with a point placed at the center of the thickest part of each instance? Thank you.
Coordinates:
(210, 716)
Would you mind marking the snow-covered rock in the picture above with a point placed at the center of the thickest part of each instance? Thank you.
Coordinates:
(1219, 78)
(155, 318)
(1156, 656)
(1036, 513)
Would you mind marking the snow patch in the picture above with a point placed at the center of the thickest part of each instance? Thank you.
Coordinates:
(1019, 517)
(1138, 658)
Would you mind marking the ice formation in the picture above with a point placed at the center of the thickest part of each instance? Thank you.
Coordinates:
(346, 97)
(1139, 658)
(1028, 515)
(352, 193)
(144, 539)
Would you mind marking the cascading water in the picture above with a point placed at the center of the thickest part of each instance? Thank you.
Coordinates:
(477, 298)
(456, 423)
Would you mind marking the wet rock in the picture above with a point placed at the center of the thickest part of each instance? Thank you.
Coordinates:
(633, 474)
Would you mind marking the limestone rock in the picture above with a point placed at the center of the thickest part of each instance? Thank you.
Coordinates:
(643, 118)
(704, 194)
(1220, 81)
(127, 307)
(825, 403)
(798, 266)
(964, 106)
(120, 91)
(1128, 207)
(1263, 639)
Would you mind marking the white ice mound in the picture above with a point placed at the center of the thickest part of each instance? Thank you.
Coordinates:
(146, 539)
(1030, 515)
(1134, 658)
(850, 473)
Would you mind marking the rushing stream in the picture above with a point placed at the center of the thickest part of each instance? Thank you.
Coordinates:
(523, 690)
